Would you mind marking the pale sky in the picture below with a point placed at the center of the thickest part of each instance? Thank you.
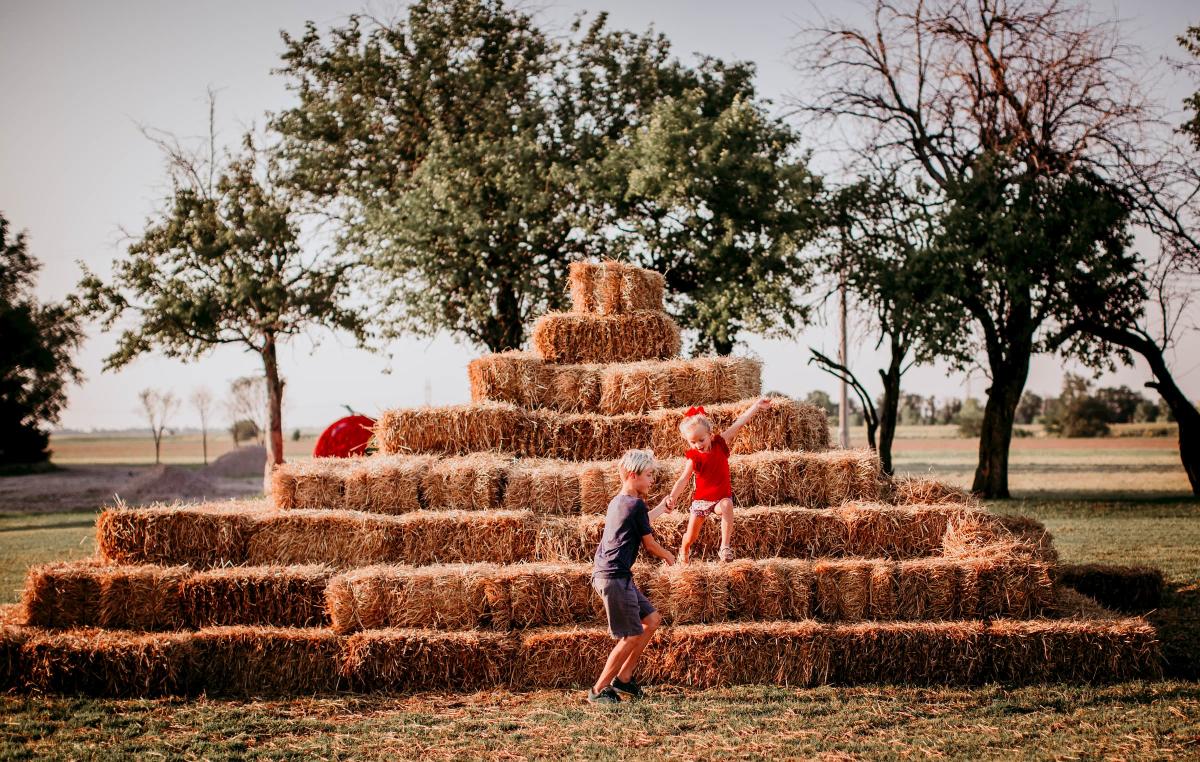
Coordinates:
(78, 78)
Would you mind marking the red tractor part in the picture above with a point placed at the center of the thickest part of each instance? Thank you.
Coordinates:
(345, 438)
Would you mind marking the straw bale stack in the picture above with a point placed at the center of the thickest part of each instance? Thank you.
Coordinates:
(268, 661)
(87, 594)
(466, 429)
(266, 596)
(207, 535)
(573, 337)
(909, 489)
(524, 379)
(426, 659)
(470, 483)
(611, 288)
(108, 662)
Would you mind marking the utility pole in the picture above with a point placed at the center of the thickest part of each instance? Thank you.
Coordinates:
(843, 403)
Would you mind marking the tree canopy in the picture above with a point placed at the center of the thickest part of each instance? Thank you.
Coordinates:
(36, 344)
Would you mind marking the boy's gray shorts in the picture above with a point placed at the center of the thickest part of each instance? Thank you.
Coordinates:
(624, 604)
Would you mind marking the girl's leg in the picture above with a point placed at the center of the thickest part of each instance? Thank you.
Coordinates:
(695, 522)
(725, 511)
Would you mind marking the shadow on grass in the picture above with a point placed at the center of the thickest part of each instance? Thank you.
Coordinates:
(1178, 625)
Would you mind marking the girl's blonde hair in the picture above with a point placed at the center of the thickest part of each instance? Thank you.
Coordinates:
(637, 461)
(691, 421)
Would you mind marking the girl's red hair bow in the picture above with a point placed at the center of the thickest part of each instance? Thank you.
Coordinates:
(697, 410)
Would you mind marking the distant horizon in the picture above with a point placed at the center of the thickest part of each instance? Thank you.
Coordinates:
(86, 74)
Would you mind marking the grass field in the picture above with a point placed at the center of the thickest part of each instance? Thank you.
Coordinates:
(1117, 504)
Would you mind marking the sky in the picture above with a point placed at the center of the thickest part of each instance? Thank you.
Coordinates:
(80, 78)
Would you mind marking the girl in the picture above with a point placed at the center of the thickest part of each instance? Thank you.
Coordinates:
(708, 460)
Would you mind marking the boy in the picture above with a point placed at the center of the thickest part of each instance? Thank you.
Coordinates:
(632, 619)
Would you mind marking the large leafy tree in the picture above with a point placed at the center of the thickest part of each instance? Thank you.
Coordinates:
(470, 157)
(36, 343)
(220, 263)
(882, 253)
(1039, 98)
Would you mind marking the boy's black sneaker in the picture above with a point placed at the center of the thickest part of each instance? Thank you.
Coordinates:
(606, 696)
(629, 689)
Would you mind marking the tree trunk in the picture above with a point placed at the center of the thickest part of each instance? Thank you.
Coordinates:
(505, 330)
(157, 448)
(1182, 408)
(204, 443)
(274, 402)
(889, 411)
(1008, 381)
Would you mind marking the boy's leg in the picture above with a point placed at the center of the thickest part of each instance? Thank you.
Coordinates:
(695, 522)
(725, 511)
(650, 623)
(617, 658)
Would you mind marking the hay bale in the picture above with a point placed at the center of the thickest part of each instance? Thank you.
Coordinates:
(455, 429)
(108, 662)
(336, 538)
(908, 652)
(377, 597)
(470, 483)
(524, 379)
(1044, 650)
(843, 589)
(426, 659)
(12, 640)
(386, 483)
(572, 337)
(267, 661)
(61, 595)
(611, 287)
(1124, 588)
(908, 490)
(927, 588)
(544, 486)
(315, 483)
(1032, 533)
(268, 596)
(205, 535)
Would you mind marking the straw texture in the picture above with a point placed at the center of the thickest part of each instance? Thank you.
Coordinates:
(573, 337)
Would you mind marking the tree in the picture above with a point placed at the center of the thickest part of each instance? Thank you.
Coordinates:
(248, 401)
(36, 343)
(1029, 408)
(469, 157)
(970, 418)
(821, 399)
(1121, 401)
(158, 407)
(881, 254)
(202, 400)
(244, 430)
(867, 414)
(222, 262)
(1012, 111)
(1077, 412)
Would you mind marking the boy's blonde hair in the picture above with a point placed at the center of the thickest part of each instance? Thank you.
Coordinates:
(637, 462)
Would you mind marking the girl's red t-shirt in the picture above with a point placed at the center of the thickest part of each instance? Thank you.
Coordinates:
(712, 470)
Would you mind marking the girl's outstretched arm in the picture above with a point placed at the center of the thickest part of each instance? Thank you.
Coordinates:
(731, 432)
(680, 484)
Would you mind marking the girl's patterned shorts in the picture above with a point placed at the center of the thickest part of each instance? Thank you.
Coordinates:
(705, 508)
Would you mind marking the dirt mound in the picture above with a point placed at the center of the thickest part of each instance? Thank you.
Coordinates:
(168, 483)
(238, 463)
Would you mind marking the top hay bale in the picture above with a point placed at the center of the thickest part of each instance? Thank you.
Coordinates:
(575, 337)
(613, 288)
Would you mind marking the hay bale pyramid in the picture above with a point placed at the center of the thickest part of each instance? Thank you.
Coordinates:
(459, 556)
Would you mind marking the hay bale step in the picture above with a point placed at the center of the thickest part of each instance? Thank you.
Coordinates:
(493, 481)
(264, 537)
(521, 596)
(501, 427)
(612, 288)
(149, 598)
(524, 379)
(575, 337)
(281, 661)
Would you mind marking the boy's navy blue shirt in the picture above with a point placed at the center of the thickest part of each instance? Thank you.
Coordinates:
(627, 522)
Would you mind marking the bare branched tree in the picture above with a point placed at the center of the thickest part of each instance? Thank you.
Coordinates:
(248, 401)
(202, 400)
(158, 407)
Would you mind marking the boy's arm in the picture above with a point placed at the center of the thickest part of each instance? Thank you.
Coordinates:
(731, 432)
(658, 551)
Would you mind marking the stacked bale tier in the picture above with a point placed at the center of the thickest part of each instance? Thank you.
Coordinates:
(465, 429)
(613, 288)
(524, 379)
(494, 481)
